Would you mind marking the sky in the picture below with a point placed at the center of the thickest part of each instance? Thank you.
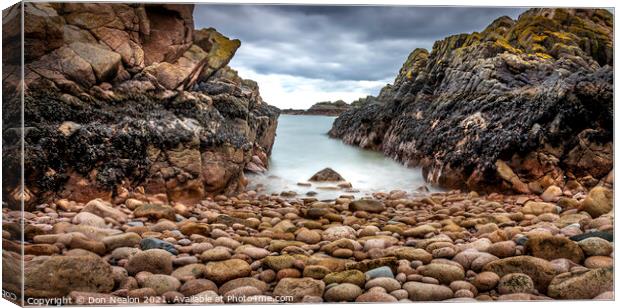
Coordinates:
(300, 55)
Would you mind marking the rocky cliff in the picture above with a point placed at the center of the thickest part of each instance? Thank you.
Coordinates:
(520, 106)
(129, 97)
(322, 108)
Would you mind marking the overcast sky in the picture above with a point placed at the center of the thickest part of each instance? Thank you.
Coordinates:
(300, 55)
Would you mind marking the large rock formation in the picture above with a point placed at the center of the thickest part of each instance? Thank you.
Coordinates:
(517, 107)
(125, 97)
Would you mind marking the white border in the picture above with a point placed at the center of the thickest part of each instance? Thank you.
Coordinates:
(485, 3)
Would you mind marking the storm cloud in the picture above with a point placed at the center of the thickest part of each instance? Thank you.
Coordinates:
(303, 54)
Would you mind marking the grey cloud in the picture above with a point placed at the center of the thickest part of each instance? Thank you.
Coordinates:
(338, 42)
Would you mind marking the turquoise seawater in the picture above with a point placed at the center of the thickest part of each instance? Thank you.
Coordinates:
(302, 147)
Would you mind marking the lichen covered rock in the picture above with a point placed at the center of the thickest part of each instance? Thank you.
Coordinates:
(582, 285)
(64, 274)
(523, 105)
(540, 270)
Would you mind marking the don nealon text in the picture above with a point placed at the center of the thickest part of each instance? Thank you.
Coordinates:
(79, 299)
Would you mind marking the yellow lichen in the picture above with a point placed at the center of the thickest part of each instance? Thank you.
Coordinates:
(502, 43)
(563, 36)
(537, 38)
(543, 55)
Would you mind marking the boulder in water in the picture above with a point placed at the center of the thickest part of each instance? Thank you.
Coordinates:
(326, 175)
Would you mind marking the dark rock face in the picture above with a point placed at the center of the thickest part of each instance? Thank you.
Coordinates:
(120, 98)
(517, 107)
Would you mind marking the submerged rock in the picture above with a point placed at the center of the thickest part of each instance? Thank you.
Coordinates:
(326, 175)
